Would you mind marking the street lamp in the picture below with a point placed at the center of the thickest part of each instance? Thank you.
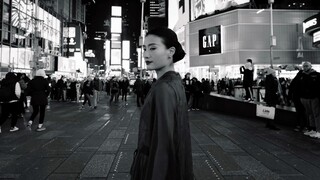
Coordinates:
(141, 38)
(273, 40)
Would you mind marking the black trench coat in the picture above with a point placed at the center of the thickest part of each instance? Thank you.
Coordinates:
(164, 145)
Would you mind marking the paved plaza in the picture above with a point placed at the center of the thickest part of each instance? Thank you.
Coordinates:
(99, 144)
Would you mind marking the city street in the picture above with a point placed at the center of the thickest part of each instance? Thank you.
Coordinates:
(99, 144)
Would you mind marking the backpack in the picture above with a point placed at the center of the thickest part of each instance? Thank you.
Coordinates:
(115, 87)
(7, 94)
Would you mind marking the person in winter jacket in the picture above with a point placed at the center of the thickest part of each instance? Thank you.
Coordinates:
(11, 106)
(39, 90)
(272, 93)
(164, 145)
(308, 87)
(294, 96)
(138, 89)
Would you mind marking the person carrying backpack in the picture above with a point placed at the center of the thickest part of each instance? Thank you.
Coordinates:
(10, 92)
(114, 90)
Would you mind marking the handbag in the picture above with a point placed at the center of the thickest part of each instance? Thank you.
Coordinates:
(265, 111)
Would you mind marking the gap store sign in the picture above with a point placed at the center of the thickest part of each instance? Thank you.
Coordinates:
(210, 40)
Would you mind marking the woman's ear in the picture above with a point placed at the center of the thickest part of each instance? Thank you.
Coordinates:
(172, 50)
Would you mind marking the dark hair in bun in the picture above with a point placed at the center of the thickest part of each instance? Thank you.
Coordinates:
(170, 39)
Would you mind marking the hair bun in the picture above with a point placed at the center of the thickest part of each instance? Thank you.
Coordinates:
(179, 54)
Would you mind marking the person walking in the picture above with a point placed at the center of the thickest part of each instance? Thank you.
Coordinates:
(10, 103)
(96, 89)
(125, 88)
(138, 89)
(114, 88)
(39, 90)
(247, 71)
(87, 91)
(164, 145)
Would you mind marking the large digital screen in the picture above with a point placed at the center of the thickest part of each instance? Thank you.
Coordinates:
(116, 25)
(126, 49)
(115, 56)
(202, 7)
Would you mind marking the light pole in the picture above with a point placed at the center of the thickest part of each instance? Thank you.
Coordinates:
(141, 38)
(36, 34)
(273, 40)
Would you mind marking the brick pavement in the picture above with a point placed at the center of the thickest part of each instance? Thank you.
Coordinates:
(99, 144)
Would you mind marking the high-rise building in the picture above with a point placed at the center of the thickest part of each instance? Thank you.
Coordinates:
(42, 34)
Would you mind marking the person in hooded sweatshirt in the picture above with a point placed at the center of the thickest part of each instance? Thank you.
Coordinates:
(308, 88)
(164, 143)
(39, 90)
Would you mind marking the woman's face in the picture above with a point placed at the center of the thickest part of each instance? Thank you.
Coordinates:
(156, 54)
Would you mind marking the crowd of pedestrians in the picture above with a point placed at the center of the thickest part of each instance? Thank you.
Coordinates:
(42, 89)
(300, 92)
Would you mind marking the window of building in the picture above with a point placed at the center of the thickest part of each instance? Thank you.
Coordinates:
(6, 13)
(22, 38)
(5, 33)
(14, 37)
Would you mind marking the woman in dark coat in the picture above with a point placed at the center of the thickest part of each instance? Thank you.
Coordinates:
(11, 105)
(272, 93)
(164, 145)
(39, 90)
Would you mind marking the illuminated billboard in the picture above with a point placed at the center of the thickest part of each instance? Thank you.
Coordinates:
(115, 57)
(116, 10)
(203, 7)
(311, 26)
(126, 49)
(116, 25)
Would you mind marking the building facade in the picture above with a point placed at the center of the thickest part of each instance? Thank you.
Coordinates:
(243, 34)
(32, 36)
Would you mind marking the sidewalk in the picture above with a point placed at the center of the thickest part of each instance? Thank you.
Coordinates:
(99, 144)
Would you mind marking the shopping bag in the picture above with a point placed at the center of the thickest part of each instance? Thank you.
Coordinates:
(265, 111)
